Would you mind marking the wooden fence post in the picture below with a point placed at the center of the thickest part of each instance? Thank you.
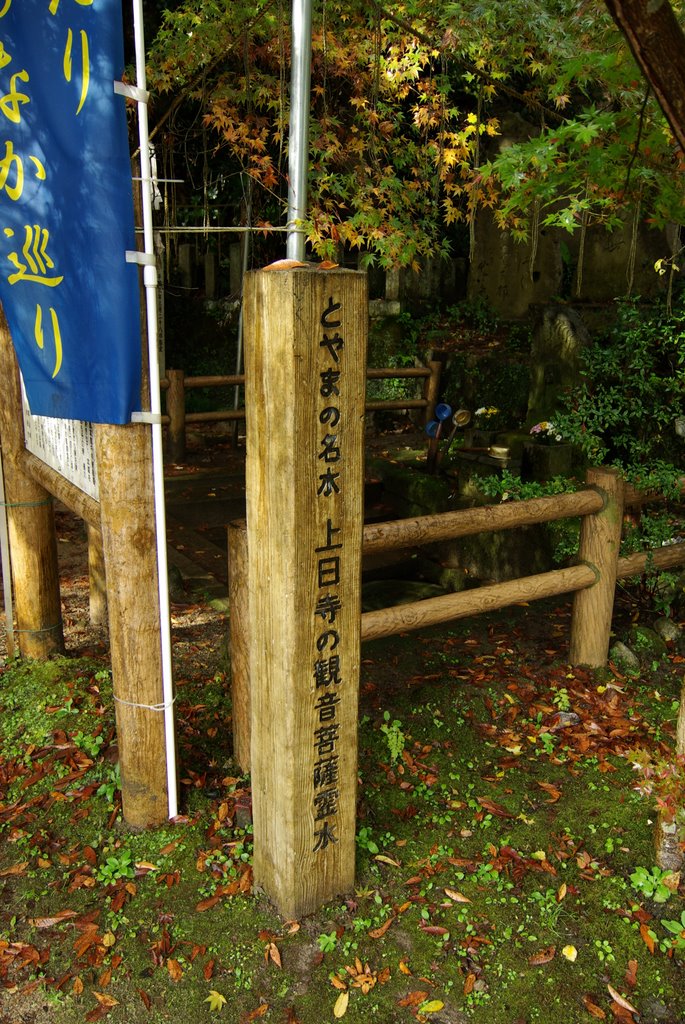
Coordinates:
(97, 592)
(176, 410)
(239, 640)
(31, 525)
(432, 390)
(305, 349)
(124, 459)
(600, 540)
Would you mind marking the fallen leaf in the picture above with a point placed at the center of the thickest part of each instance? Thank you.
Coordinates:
(434, 929)
(630, 976)
(570, 952)
(16, 869)
(147, 1002)
(497, 809)
(387, 860)
(554, 793)
(458, 897)
(274, 954)
(647, 937)
(207, 904)
(341, 1003)
(593, 1009)
(50, 922)
(432, 1006)
(404, 968)
(285, 264)
(77, 987)
(413, 998)
(543, 956)
(620, 1000)
(175, 970)
(337, 983)
(376, 933)
(469, 983)
(216, 1001)
(105, 1000)
(259, 1012)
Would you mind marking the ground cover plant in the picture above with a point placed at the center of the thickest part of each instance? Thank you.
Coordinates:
(505, 860)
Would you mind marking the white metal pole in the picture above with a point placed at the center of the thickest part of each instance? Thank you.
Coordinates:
(298, 151)
(150, 282)
(6, 567)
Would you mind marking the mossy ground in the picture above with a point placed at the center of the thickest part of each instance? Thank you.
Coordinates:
(498, 829)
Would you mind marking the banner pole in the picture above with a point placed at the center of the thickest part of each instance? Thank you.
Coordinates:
(298, 159)
(150, 283)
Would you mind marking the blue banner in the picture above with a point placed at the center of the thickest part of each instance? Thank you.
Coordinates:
(66, 209)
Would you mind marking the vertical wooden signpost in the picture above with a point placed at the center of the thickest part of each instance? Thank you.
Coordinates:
(305, 373)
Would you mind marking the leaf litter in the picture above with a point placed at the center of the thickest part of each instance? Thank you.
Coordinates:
(505, 836)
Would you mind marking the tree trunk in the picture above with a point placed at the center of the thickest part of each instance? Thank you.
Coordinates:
(656, 40)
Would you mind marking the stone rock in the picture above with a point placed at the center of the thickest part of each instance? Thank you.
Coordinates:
(668, 630)
(559, 341)
(647, 645)
(624, 658)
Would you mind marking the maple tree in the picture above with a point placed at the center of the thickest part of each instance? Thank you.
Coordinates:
(407, 107)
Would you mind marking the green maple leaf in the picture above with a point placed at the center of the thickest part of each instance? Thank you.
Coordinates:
(216, 1001)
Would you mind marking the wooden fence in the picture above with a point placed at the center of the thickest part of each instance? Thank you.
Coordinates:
(176, 384)
(593, 579)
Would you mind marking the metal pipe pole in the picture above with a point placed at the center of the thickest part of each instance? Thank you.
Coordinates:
(298, 152)
(150, 283)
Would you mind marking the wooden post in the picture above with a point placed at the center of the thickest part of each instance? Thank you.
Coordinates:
(600, 540)
(96, 578)
(31, 525)
(176, 410)
(124, 461)
(432, 388)
(239, 641)
(305, 374)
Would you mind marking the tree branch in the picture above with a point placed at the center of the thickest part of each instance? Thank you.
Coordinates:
(657, 43)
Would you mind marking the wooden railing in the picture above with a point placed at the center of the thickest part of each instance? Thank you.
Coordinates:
(176, 384)
(592, 579)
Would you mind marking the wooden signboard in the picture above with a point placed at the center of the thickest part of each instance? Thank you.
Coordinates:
(305, 346)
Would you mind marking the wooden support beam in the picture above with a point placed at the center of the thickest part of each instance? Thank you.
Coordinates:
(660, 558)
(97, 582)
(600, 540)
(305, 349)
(467, 521)
(31, 525)
(434, 610)
(176, 410)
(239, 644)
(76, 500)
(124, 459)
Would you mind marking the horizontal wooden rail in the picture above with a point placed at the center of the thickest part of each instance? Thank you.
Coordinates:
(390, 373)
(396, 403)
(434, 610)
(659, 558)
(465, 522)
(176, 384)
(230, 380)
(215, 416)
